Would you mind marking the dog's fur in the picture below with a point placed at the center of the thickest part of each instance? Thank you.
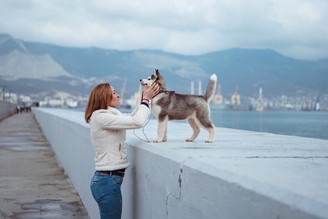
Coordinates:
(168, 105)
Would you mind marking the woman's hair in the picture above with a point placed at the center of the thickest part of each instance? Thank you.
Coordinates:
(99, 98)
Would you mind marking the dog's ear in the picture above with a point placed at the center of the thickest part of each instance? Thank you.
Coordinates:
(157, 72)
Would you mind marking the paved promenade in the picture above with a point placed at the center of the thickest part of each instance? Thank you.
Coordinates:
(32, 184)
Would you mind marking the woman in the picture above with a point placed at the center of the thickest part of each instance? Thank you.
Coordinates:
(108, 130)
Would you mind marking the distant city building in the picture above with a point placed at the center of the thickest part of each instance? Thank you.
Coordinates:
(192, 87)
(200, 88)
(218, 98)
(235, 98)
(260, 101)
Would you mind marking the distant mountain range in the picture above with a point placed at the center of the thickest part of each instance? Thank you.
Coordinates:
(38, 68)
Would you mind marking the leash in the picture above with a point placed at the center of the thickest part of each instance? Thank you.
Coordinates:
(143, 131)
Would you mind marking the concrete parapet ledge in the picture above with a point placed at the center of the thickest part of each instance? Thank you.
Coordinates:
(270, 176)
(243, 174)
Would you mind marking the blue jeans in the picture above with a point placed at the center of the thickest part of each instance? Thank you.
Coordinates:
(106, 190)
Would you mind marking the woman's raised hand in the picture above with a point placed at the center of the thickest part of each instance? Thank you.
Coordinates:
(151, 91)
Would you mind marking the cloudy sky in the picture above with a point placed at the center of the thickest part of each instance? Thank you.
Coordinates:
(297, 28)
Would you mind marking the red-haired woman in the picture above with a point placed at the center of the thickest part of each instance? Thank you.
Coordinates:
(108, 130)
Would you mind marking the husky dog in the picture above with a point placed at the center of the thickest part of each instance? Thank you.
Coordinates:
(168, 105)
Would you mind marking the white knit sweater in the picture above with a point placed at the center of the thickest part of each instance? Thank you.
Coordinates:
(108, 133)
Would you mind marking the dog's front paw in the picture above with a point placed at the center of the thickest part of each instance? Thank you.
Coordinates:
(208, 141)
(158, 141)
(189, 140)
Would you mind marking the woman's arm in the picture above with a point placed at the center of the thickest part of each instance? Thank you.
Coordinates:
(109, 120)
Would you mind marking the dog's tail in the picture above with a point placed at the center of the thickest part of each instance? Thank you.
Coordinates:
(210, 90)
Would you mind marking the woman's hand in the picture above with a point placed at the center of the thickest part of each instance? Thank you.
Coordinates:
(151, 91)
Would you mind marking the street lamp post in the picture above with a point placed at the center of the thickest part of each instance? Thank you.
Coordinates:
(3, 88)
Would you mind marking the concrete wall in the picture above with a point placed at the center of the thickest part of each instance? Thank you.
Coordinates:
(242, 175)
(6, 109)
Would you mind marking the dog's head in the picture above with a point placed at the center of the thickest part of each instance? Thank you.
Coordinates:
(156, 77)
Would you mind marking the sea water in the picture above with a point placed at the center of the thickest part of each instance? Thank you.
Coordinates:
(297, 123)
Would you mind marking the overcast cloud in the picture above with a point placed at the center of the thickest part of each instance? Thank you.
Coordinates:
(297, 28)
